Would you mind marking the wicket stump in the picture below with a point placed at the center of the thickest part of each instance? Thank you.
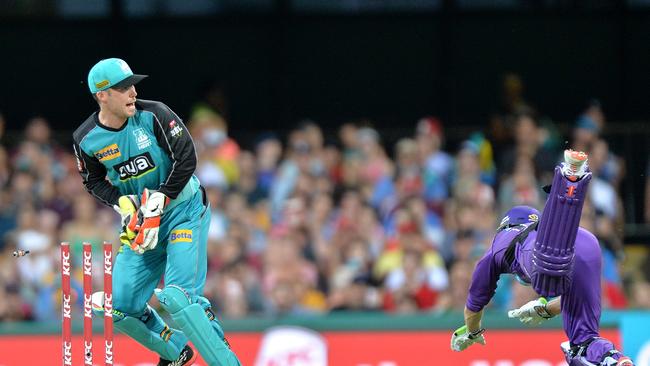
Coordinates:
(66, 308)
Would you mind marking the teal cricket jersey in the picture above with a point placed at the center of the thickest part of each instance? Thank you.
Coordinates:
(153, 150)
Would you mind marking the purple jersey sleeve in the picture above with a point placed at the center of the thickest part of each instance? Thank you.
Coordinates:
(487, 271)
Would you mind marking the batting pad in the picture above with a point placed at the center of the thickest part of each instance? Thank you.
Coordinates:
(192, 320)
(153, 333)
(554, 247)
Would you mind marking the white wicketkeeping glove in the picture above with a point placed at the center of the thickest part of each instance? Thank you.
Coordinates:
(151, 209)
(532, 313)
(461, 339)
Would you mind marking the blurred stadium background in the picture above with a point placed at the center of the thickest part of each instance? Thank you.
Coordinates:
(358, 155)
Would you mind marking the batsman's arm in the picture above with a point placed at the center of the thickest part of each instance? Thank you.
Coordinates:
(482, 288)
(473, 320)
(175, 139)
(484, 282)
(535, 312)
(554, 307)
(93, 174)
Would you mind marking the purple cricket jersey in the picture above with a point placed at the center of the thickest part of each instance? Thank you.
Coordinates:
(580, 306)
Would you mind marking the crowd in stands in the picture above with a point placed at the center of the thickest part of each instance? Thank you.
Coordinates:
(302, 224)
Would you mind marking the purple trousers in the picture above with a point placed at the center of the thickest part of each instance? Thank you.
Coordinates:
(581, 304)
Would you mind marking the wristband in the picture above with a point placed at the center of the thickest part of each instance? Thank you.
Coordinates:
(473, 335)
(543, 312)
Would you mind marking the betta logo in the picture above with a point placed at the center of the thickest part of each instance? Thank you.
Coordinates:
(181, 236)
(135, 167)
(108, 153)
(67, 353)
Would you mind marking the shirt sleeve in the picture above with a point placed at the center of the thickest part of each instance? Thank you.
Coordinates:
(485, 277)
(175, 139)
(93, 174)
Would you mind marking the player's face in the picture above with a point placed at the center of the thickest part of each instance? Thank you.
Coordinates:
(121, 101)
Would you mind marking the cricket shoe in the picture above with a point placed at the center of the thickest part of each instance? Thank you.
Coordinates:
(619, 361)
(186, 358)
(624, 361)
(575, 164)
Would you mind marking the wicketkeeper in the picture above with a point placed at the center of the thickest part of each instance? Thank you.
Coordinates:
(138, 157)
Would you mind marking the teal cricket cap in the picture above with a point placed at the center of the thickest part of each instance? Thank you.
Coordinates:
(111, 73)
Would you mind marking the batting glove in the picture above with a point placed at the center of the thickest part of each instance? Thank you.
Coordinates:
(533, 313)
(462, 338)
(151, 208)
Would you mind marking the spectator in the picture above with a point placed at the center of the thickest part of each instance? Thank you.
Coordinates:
(520, 187)
(436, 164)
(528, 143)
(268, 151)
(84, 228)
(588, 128)
(415, 281)
(217, 152)
(321, 226)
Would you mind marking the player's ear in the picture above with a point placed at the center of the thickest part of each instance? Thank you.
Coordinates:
(100, 96)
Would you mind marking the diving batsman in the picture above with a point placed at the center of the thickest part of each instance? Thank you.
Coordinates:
(560, 261)
(137, 157)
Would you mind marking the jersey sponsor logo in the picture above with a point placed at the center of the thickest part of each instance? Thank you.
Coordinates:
(141, 138)
(110, 152)
(176, 130)
(181, 235)
(135, 167)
